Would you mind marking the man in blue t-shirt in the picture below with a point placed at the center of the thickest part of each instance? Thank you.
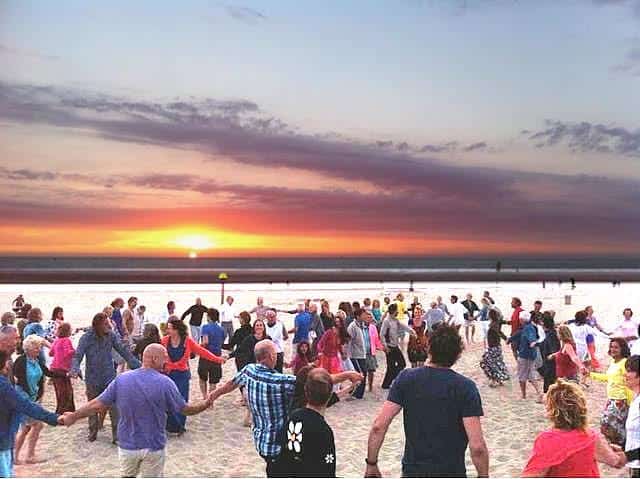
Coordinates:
(212, 337)
(301, 326)
(143, 397)
(442, 411)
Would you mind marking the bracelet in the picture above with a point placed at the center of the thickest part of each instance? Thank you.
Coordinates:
(370, 463)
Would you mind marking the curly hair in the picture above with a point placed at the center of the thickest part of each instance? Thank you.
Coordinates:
(625, 352)
(179, 326)
(567, 406)
(445, 346)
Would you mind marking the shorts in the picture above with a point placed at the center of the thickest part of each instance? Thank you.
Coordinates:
(209, 371)
(527, 371)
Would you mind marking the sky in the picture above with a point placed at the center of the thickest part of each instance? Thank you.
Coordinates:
(436, 127)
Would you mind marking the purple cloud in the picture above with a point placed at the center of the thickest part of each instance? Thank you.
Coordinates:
(416, 194)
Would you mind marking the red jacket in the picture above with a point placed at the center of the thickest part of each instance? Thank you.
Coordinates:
(190, 346)
(515, 320)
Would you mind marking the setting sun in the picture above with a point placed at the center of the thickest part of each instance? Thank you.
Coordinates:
(195, 242)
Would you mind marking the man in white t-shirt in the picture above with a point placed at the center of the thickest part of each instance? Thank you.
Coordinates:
(275, 331)
(227, 313)
(456, 312)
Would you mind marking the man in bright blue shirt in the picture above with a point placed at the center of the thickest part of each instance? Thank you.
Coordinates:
(96, 344)
(212, 336)
(302, 324)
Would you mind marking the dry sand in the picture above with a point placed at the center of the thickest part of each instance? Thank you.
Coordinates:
(216, 444)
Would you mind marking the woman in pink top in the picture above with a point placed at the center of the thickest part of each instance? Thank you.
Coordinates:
(62, 351)
(570, 448)
(329, 351)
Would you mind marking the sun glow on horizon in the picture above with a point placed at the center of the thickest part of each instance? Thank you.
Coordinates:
(195, 242)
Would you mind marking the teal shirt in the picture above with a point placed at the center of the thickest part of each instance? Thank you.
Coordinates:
(34, 374)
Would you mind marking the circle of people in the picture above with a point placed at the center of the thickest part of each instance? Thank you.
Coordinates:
(333, 359)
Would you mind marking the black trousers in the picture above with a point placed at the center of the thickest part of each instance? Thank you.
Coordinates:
(395, 364)
(360, 365)
(280, 362)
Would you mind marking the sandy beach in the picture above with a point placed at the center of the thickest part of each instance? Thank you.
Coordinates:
(216, 444)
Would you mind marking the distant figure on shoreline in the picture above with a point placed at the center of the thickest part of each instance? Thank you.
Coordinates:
(17, 303)
(498, 266)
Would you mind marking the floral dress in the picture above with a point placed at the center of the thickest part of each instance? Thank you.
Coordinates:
(492, 362)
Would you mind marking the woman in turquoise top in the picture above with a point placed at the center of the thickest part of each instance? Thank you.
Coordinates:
(376, 312)
(29, 372)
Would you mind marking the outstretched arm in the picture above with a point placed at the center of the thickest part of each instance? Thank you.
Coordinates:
(228, 387)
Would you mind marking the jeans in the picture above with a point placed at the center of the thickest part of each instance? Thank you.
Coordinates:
(92, 393)
(176, 421)
(227, 326)
(6, 463)
(195, 333)
(145, 462)
(360, 365)
(395, 364)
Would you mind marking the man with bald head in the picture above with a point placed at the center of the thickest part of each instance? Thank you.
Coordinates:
(269, 394)
(143, 397)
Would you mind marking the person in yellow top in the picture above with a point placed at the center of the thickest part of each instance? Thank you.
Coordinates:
(614, 415)
(402, 314)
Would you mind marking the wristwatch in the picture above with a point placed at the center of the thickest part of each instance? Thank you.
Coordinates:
(370, 463)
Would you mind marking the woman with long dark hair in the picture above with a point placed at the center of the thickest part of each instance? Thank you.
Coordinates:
(150, 335)
(179, 348)
(57, 318)
(614, 415)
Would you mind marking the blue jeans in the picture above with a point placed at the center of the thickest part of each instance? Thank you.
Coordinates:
(195, 333)
(6, 463)
(360, 365)
(176, 422)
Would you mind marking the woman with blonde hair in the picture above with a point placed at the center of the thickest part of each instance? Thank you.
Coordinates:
(569, 448)
(29, 371)
(567, 361)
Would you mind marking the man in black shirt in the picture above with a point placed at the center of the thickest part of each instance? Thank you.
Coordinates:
(308, 448)
(195, 322)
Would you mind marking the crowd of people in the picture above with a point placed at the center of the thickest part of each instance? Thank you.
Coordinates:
(138, 372)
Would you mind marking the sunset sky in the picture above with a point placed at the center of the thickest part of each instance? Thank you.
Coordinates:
(332, 128)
